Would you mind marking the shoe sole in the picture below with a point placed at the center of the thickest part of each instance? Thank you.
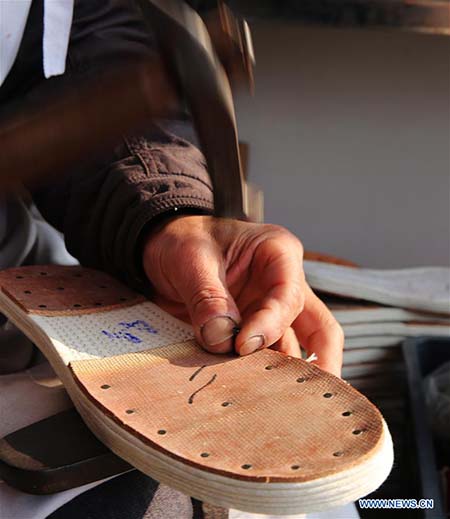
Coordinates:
(290, 439)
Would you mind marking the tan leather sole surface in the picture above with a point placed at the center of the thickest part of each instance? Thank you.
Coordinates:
(265, 433)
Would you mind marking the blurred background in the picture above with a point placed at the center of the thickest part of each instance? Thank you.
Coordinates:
(349, 128)
(349, 139)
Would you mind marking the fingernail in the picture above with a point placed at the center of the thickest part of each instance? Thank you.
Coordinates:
(254, 343)
(218, 330)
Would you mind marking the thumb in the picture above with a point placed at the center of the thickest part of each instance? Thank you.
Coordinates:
(212, 309)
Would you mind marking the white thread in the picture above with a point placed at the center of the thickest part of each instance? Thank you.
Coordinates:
(312, 358)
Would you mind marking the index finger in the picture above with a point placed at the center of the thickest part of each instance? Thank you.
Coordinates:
(278, 275)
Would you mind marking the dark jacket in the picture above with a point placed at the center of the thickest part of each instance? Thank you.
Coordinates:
(107, 206)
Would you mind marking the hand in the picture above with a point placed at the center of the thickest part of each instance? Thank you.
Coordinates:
(221, 274)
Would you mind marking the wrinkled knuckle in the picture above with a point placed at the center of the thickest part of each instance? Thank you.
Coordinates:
(284, 238)
(289, 239)
(207, 296)
(295, 243)
(274, 228)
(273, 233)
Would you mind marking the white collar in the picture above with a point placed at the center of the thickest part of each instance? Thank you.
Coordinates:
(57, 23)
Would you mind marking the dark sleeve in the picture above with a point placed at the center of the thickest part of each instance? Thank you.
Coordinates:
(106, 207)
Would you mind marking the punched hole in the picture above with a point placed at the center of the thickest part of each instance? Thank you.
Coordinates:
(300, 380)
(27, 291)
(76, 305)
(98, 304)
(204, 454)
(347, 413)
(42, 306)
(246, 466)
(268, 368)
(338, 454)
(357, 431)
(130, 411)
(105, 386)
(60, 288)
(43, 273)
(19, 277)
(226, 404)
(123, 299)
(327, 395)
(102, 286)
(295, 467)
(162, 431)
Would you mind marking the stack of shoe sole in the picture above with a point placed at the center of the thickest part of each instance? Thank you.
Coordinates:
(379, 309)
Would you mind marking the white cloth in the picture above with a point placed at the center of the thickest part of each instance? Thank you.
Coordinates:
(57, 23)
(13, 18)
(26, 237)
(15, 504)
(25, 399)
